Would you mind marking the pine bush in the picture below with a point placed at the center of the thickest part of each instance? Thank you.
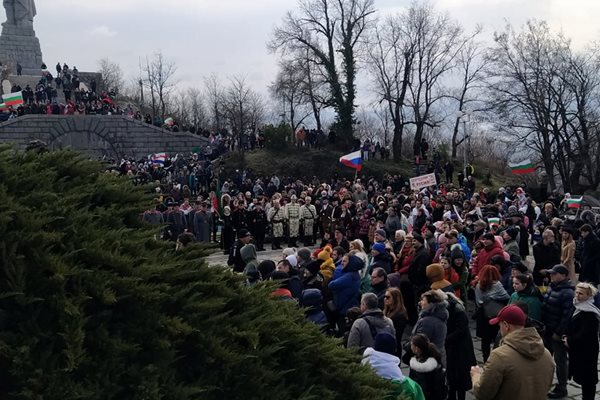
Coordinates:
(92, 307)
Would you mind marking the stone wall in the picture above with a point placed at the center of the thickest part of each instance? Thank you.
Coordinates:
(110, 136)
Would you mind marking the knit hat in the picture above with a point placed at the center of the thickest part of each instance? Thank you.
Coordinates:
(380, 232)
(512, 232)
(379, 247)
(385, 343)
(418, 237)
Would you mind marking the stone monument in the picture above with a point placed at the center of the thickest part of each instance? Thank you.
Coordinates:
(18, 43)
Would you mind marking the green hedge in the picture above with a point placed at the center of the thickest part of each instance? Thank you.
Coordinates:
(92, 307)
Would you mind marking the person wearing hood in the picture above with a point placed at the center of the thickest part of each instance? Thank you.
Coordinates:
(459, 264)
(490, 297)
(312, 302)
(582, 340)
(520, 368)
(490, 249)
(249, 256)
(371, 322)
(382, 359)
(511, 246)
(327, 264)
(379, 284)
(345, 289)
(381, 258)
(432, 319)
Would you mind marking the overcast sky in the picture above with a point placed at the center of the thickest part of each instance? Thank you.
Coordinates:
(228, 37)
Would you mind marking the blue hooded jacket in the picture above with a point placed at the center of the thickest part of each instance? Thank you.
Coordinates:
(346, 288)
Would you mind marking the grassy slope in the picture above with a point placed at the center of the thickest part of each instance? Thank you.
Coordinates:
(324, 164)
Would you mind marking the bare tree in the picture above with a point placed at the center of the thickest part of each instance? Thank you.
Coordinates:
(244, 110)
(198, 118)
(469, 95)
(391, 54)
(438, 40)
(112, 75)
(215, 98)
(159, 80)
(288, 88)
(546, 96)
(331, 30)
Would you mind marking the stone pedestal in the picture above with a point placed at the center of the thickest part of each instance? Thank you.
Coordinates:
(18, 43)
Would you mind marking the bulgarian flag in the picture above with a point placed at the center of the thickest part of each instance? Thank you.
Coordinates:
(13, 99)
(574, 203)
(494, 221)
(352, 160)
(523, 167)
(3, 107)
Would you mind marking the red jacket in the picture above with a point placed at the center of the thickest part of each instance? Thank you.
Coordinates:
(484, 257)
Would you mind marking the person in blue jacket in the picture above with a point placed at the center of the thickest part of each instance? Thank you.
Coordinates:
(346, 287)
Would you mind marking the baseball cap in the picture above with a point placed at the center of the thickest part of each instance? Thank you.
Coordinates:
(511, 314)
(559, 269)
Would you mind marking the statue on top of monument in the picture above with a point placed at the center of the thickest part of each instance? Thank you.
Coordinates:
(20, 12)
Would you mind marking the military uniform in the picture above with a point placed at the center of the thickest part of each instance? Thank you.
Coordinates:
(258, 226)
(276, 217)
(292, 215)
(308, 214)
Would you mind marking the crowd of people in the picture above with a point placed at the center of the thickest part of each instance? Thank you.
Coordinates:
(397, 273)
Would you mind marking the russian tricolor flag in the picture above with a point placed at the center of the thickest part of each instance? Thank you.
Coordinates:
(159, 158)
(352, 160)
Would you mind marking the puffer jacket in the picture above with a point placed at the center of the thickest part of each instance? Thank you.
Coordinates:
(346, 288)
(558, 306)
(432, 323)
(521, 368)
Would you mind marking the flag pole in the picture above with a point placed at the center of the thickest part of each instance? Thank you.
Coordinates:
(355, 175)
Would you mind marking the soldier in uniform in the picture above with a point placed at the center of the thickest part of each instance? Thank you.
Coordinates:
(258, 225)
(336, 214)
(292, 215)
(276, 217)
(308, 214)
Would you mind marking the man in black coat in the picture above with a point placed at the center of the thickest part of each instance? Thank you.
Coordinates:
(590, 257)
(418, 267)
(556, 313)
(546, 254)
(235, 258)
